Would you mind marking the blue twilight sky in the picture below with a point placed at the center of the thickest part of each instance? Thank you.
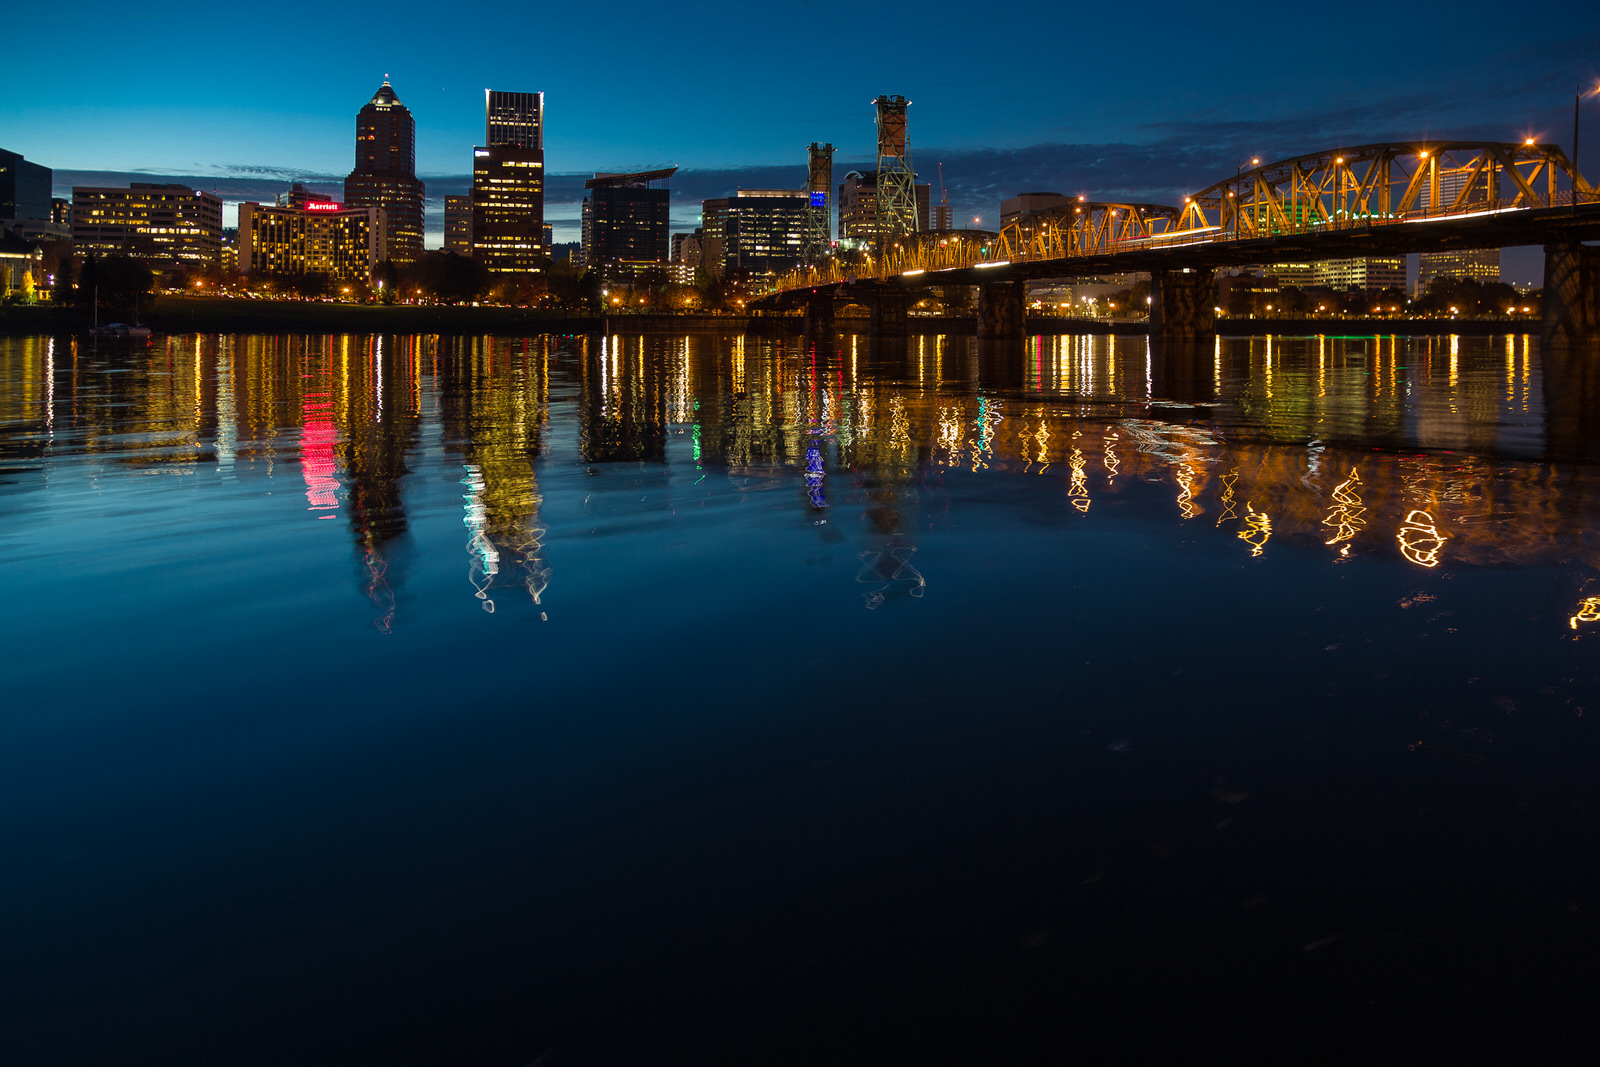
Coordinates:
(1147, 101)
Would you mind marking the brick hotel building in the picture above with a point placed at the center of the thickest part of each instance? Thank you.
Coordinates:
(309, 235)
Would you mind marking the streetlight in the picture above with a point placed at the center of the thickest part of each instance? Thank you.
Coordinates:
(1577, 98)
(1238, 199)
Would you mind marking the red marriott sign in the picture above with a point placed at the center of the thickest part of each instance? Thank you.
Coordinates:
(323, 205)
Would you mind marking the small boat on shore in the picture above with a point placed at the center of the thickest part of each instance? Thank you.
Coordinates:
(121, 329)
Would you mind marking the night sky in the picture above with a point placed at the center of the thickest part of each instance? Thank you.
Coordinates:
(1023, 97)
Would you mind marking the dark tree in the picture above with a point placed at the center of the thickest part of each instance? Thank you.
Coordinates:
(387, 279)
(447, 277)
(1391, 301)
(314, 285)
(66, 275)
(589, 291)
(120, 284)
(1498, 298)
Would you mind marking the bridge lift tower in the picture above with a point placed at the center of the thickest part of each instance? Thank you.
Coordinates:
(819, 229)
(897, 194)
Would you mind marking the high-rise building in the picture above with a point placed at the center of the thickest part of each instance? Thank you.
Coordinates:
(514, 119)
(508, 208)
(858, 207)
(166, 224)
(24, 188)
(386, 172)
(625, 220)
(299, 196)
(458, 225)
(686, 248)
(313, 236)
(758, 230)
(713, 219)
(1479, 264)
(506, 230)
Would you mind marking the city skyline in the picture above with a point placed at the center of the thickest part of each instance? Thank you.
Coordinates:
(1093, 129)
(1477, 77)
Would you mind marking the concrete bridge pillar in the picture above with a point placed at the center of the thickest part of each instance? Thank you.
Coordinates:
(1002, 309)
(1183, 305)
(819, 314)
(1569, 351)
(1571, 299)
(889, 314)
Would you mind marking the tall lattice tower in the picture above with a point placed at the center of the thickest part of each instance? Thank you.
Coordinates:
(897, 195)
(819, 229)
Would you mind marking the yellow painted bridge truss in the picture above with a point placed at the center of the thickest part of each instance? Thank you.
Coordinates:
(1342, 189)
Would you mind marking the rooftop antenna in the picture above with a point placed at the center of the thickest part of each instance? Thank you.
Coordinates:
(943, 222)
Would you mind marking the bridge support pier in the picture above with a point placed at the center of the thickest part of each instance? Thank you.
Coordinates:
(1569, 351)
(819, 315)
(1571, 300)
(889, 314)
(1183, 305)
(1002, 309)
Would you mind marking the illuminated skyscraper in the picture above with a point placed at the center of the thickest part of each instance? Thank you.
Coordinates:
(625, 222)
(513, 118)
(508, 208)
(386, 172)
(508, 184)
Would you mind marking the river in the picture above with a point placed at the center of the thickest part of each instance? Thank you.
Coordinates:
(710, 699)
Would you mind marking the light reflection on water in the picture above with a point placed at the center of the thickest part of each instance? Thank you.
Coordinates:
(1441, 435)
(426, 595)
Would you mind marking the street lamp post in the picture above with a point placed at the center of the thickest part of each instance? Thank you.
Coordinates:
(1577, 98)
(1238, 192)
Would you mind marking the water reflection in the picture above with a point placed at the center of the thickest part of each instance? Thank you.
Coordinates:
(494, 408)
(1435, 451)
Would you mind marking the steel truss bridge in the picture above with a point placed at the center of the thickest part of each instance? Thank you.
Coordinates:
(1372, 200)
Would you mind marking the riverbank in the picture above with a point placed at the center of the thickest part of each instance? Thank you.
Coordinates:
(209, 314)
(1369, 327)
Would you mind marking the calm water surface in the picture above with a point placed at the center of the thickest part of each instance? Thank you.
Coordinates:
(722, 700)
